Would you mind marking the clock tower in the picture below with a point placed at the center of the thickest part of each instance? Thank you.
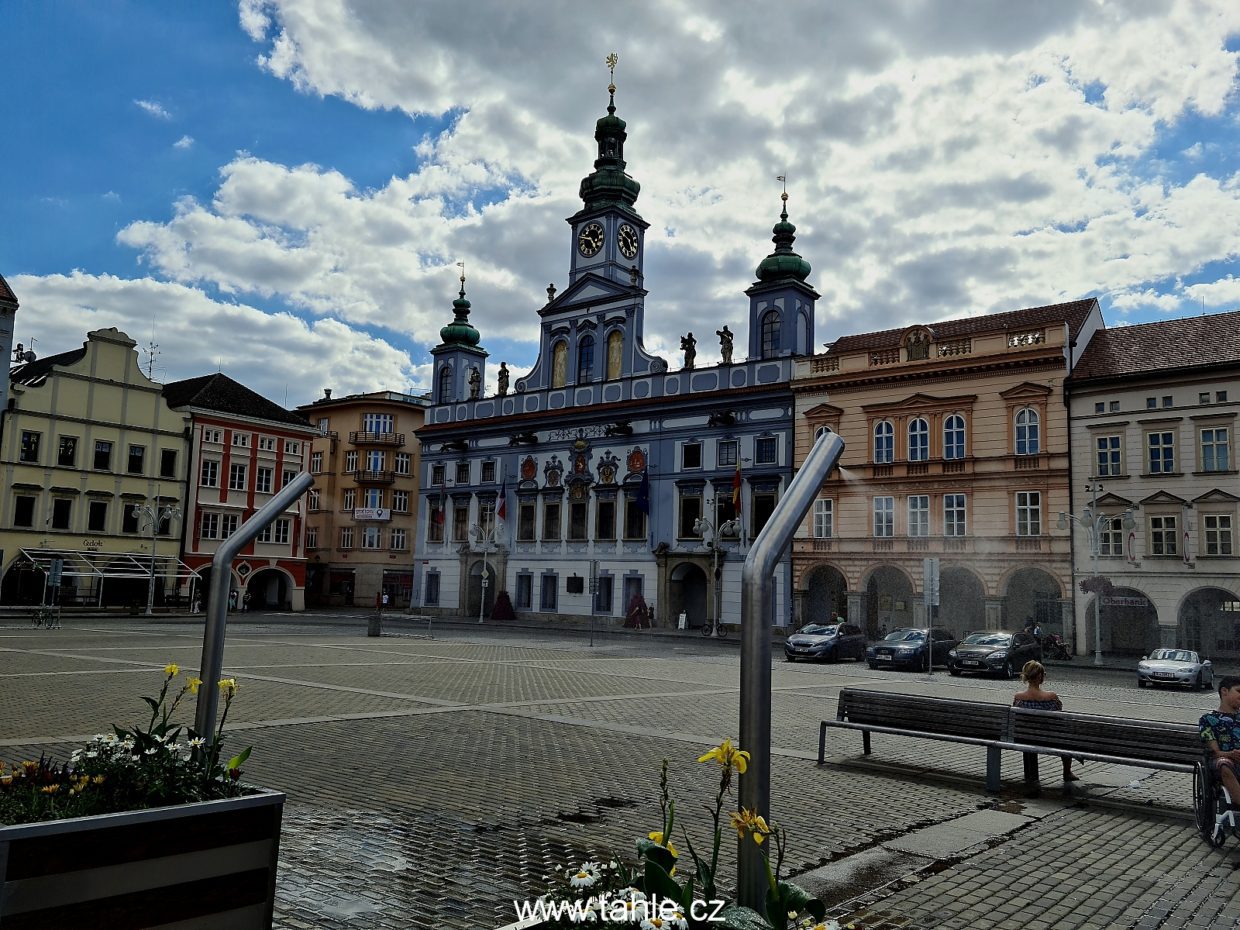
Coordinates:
(608, 234)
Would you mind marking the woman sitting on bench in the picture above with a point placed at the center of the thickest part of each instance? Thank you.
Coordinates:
(1034, 698)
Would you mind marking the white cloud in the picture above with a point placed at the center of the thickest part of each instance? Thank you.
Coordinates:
(153, 109)
(943, 159)
(196, 335)
(185, 142)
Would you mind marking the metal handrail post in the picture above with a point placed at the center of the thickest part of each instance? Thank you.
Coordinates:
(217, 610)
(758, 590)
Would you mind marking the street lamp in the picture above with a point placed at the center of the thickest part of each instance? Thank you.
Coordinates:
(155, 516)
(484, 539)
(1093, 521)
(706, 530)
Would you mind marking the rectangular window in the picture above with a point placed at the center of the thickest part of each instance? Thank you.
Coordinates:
(103, 455)
(376, 460)
(1028, 513)
(690, 512)
(350, 460)
(377, 422)
(316, 463)
(691, 455)
(400, 540)
(954, 516)
(262, 479)
(434, 519)
(312, 537)
(291, 447)
(525, 591)
(762, 505)
(267, 443)
(372, 537)
(228, 524)
(129, 519)
(241, 440)
(167, 463)
(324, 426)
(460, 521)
(551, 521)
(287, 477)
(209, 525)
(884, 516)
(764, 450)
(62, 513)
(437, 476)
(605, 520)
(1161, 448)
(462, 473)
(1114, 406)
(634, 519)
(212, 435)
(282, 531)
(1220, 397)
(66, 453)
(577, 521)
(1100, 407)
(23, 510)
(1107, 456)
(1217, 529)
(432, 589)
(603, 594)
(400, 501)
(348, 499)
(30, 447)
(1167, 400)
(97, 516)
(210, 477)
(488, 472)
(526, 519)
(919, 515)
(1216, 449)
(1151, 403)
(404, 463)
(548, 596)
(236, 476)
(346, 537)
(314, 500)
(725, 453)
(1111, 538)
(824, 518)
(1163, 537)
(264, 535)
(1203, 397)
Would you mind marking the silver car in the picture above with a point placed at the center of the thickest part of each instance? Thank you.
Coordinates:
(1181, 667)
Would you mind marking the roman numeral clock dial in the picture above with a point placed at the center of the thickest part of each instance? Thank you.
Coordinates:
(627, 240)
(590, 239)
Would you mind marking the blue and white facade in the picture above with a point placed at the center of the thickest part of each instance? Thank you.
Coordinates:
(584, 485)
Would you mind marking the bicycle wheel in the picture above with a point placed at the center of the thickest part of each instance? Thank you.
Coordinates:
(722, 628)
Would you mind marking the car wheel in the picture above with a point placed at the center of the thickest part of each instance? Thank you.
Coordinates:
(873, 667)
(1209, 684)
(1142, 683)
(788, 658)
(954, 672)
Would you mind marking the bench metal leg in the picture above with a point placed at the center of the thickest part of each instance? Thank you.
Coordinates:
(1033, 785)
(992, 769)
(865, 741)
(822, 743)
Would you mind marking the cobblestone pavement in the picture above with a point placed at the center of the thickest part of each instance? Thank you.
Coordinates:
(433, 781)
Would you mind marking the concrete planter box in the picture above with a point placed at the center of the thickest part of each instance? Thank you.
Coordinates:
(209, 864)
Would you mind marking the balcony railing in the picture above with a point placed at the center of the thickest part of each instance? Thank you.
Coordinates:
(374, 477)
(366, 438)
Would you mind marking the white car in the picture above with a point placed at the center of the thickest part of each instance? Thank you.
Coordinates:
(1181, 667)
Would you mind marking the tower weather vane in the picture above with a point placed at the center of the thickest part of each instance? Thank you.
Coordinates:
(612, 60)
(461, 265)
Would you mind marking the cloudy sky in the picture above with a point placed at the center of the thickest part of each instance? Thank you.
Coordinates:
(281, 189)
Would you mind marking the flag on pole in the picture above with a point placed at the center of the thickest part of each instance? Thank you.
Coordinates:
(736, 490)
(502, 510)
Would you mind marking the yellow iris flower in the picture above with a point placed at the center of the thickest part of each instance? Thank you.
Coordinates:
(228, 686)
(728, 756)
(172, 669)
(746, 821)
(194, 684)
(657, 837)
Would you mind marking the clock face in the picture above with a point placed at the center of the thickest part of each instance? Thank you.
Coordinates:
(627, 239)
(590, 240)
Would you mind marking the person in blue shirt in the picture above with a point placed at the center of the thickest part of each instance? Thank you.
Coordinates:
(1220, 732)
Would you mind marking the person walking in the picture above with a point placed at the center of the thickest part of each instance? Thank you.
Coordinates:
(1033, 674)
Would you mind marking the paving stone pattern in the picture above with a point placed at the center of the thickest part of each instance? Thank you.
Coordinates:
(433, 781)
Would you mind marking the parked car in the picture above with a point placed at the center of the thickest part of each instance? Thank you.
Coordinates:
(1175, 667)
(994, 652)
(826, 642)
(907, 648)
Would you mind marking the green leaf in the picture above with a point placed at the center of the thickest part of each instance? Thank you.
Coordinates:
(153, 704)
(659, 882)
(237, 760)
(796, 898)
(653, 852)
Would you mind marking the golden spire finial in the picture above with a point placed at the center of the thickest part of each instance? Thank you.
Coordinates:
(612, 60)
(783, 179)
(461, 265)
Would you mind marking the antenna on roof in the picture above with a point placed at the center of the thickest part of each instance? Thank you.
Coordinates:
(22, 355)
(152, 351)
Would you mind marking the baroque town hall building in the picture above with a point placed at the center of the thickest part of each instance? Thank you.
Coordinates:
(603, 474)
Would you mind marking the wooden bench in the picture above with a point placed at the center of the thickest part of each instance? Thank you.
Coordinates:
(971, 722)
(1153, 744)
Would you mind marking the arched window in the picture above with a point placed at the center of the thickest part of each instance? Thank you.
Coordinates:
(445, 385)
(918, 440)
(953, 437)
(884, 443)
(1028, 434)
(559, 364)
(585, 359)
(770, 334)
(615, 354)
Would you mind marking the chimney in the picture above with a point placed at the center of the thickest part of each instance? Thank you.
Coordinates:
(327, 393)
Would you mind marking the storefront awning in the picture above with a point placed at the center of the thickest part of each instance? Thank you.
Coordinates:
(88, 563)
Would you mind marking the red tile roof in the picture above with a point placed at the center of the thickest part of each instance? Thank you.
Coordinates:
(6, 292)
(1073, 313)
(1190, 342)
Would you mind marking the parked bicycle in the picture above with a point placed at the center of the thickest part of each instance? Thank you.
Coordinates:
(45, 616)
(715, 629)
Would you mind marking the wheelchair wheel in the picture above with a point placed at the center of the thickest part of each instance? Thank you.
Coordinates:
(1208, 796)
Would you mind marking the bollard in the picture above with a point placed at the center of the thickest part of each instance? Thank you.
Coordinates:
(375, 626)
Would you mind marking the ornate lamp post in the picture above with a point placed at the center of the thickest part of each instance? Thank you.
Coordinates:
(1093, 522)
(707, 531)
(484, 542)
(155, 516)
